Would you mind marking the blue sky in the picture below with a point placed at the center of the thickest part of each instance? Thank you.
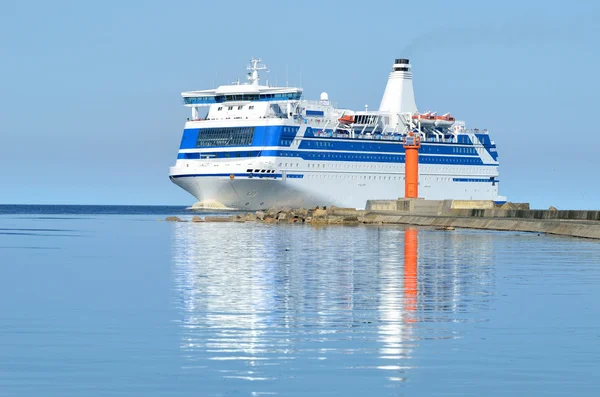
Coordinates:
(91, 108)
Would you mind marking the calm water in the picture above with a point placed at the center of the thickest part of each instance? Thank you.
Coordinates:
(102, 301)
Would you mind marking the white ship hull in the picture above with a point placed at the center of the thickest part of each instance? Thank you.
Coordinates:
(326, 188)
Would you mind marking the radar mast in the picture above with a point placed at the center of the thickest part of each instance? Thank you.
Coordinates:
(254, 67)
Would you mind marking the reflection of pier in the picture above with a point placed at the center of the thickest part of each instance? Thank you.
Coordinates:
(281, 298)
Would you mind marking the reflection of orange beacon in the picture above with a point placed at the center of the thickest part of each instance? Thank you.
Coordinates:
(411, 246)
(412, 143)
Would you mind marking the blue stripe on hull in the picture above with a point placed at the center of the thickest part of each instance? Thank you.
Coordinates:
(317, 148)
(339, 156)
(372, 158)
(385, 146)
(283, 136)
(300, 176)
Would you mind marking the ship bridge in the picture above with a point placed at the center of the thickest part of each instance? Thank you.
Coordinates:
(241, 95)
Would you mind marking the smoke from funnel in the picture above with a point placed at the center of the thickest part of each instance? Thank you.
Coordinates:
(518, 32)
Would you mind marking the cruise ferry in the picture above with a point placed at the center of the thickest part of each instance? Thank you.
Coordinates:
(251, 146)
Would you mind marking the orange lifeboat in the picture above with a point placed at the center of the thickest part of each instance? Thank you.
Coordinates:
(444, 121)
(425, 118)
(346, 119)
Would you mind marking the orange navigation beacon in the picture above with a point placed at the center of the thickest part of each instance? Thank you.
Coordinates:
(412, 143)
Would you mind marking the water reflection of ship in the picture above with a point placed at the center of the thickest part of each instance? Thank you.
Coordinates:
(225, 302)
(255, 304)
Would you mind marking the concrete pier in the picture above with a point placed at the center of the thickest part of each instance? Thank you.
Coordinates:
(481, 214)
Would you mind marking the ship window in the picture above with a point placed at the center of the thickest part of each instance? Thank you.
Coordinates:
(240, 107)
(220, 108)
(251, 107)
(227, 136)
(230, 108)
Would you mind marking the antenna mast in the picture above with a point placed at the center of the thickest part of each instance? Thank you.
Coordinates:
(254, 67)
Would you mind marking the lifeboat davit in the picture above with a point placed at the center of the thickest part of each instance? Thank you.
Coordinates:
(444, 121)
(425, 119)
(346, 119)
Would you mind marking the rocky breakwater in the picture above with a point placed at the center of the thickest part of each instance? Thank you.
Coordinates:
(566, 223)
(316, 216)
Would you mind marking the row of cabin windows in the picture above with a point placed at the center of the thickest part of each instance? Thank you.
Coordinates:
(378, 177)
(342, 176)
(241, 97)
(249, 154)
(323, 144)
(428, 149)
(442, 179)
(449, 160)
(220, 108)
(376, 157)
(332, 166)
(256, 97)
(467, 150)
(336, 165)
(370, 177)
(237, 97)
(356, 177)
(250, 170)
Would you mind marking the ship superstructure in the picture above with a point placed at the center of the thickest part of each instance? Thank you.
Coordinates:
(259, 146)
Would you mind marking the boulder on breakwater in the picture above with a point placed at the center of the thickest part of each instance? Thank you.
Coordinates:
(232, 218)
(317, 215)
